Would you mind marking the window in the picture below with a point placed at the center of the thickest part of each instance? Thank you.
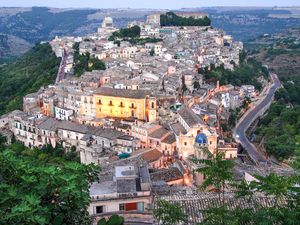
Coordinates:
(210, 142)
(99, 109)
(99, 209)
(132, 105)
(132, 113)
(77, 138)
(100, 102)
(152, 105)
(185, 143)
(110, 102)
(121, 104)
(122, 207)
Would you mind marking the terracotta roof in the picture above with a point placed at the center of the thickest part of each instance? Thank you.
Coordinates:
(124, 93)
(178, 128)
(194, 204)
(170, 139)
(189, 116)
(159, 133)
(166, 175)
(152, 155)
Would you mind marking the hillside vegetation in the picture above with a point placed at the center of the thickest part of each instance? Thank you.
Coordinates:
(171, 19)
(36, 68)
(280, 129)
(248, 72)
(85, 62)
(43, 186)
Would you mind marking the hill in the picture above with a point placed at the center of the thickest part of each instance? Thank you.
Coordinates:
(278, 132)
(281, 52)
(11, 46)
(34, 69)
(32, 25)
(28, 26)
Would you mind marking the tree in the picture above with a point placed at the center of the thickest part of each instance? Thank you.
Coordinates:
(39, 190)
(171, 19)
(2, 142)
(36, 68)
(219, 216)
(217, 171)
(113, 220)
(152, 52)
(169, 213)
(196, 85)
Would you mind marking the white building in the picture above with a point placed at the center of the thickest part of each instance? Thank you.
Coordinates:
(127, 192)
(63, 113)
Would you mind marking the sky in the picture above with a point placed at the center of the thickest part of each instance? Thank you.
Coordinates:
(154, 4)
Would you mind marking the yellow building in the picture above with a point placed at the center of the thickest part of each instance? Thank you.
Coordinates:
(125, 103)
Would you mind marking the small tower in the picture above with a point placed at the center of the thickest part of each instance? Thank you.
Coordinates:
(152, 114)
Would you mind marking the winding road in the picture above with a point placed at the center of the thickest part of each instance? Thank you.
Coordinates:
(250, 116)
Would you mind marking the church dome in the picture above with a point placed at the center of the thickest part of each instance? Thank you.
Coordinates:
(201, 139)
(107, 22)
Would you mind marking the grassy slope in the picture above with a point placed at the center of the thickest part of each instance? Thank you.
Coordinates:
(36, 68)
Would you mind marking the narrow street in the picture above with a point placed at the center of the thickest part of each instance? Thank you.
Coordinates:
(61, 71)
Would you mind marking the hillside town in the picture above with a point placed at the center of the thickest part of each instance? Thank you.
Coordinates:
(142, 118)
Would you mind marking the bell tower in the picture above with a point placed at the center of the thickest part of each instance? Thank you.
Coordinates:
(152, 114)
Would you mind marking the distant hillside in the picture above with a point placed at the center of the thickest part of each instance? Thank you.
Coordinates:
(27, 26)
(32, 25)
(278, 133)
(13, 46)
(246, 24)
(281, 52)
(36, 68)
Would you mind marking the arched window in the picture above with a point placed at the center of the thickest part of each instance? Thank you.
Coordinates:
(152, 105)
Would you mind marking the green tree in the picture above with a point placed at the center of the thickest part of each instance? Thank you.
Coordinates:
(196, 85)
(36, 68)
(43, 190)
(152, 52)
(219, 216)
(217, 171)
(113, 220)
(169, 213)
(2, 142)
(171, 19)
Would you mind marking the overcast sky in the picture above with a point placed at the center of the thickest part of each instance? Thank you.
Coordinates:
(156, 4)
